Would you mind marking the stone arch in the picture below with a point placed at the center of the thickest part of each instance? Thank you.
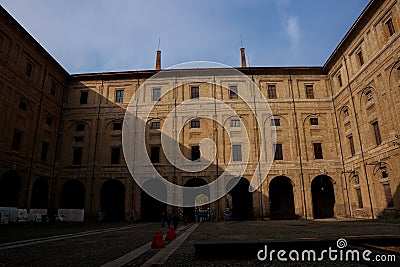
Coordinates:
(110, 123)
(363, 96)
(28, 113)
(112, 200)
(73, 195)
(242, 199)
(10, 187)
(40, 193)
(151, 208)
(323, 197)
(191, 198)
(281, 198)
(73, 124)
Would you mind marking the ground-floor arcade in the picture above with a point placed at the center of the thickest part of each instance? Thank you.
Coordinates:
(281, 196)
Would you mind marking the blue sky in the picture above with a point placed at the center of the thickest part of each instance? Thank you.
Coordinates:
(103, 35)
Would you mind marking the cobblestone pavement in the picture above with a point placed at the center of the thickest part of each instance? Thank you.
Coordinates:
(100, 248)
(92, 250)
(277, 230)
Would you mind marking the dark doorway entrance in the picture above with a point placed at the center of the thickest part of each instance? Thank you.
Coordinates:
(151, 209)
(10, 186)
(242, 200)
(40, 193)
(323, 197)
(113, 200)
(189, 212)
(73, 196)
(281, 199)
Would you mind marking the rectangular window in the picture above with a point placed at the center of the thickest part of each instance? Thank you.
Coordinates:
(119, 96)
(16, 142)
(78, 139)
(80, 127)
(53, 88)
(271, 91)
(359, 198)
(318, 151)
(84, 97)
(45, 149)
(155, 154)
(77, 157)
(351, 144)
(310, 91)
(194, 124)
(194, 92)
(278, 152)
(155, 125)
(275, 122)
(22, 105)
(235, 123)
(360, 58)
(117, 126)
(28, 69)
(236, 152)
(48, 121)
(195, 153)
(115, 155)
(377, 132)
(390, 26)
(156, 94)
(339, 77)
(388, 195)
(314, 121)
(233, 92)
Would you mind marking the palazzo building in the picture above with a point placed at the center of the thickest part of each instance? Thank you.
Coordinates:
(337, 126)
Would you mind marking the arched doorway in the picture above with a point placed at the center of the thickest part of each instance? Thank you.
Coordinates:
(40, 193)
(189, 212)
(113, 200)
(10, 187)
(323, 197)
(281, 199)
(242, 200)
(151, 209)
(73, 196)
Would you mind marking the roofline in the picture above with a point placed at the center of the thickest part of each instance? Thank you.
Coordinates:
(354, 30)
(316, 70)
(29, 36)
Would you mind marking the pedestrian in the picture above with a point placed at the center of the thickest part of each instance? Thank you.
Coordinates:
(163, 219)
(175, 221)
(169, 221)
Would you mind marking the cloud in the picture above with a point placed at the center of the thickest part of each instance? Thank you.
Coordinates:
(293, 30)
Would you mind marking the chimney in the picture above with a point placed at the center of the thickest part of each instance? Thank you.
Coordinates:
(243, 55)
(158, 60)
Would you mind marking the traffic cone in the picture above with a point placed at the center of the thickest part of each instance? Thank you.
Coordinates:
(170, 234)
(158, 241)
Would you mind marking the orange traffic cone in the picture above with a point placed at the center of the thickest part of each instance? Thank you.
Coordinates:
(170, 234)
(158, 241)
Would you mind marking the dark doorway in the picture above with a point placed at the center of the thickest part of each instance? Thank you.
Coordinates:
(73, 196)
(113, 200)
(40, 193)
(323, 197)
(242, 200)
(10, 187)
(189, 212)
(281, 199)
(151, 208)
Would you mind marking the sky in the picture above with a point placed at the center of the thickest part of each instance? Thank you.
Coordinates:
(87, 36)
